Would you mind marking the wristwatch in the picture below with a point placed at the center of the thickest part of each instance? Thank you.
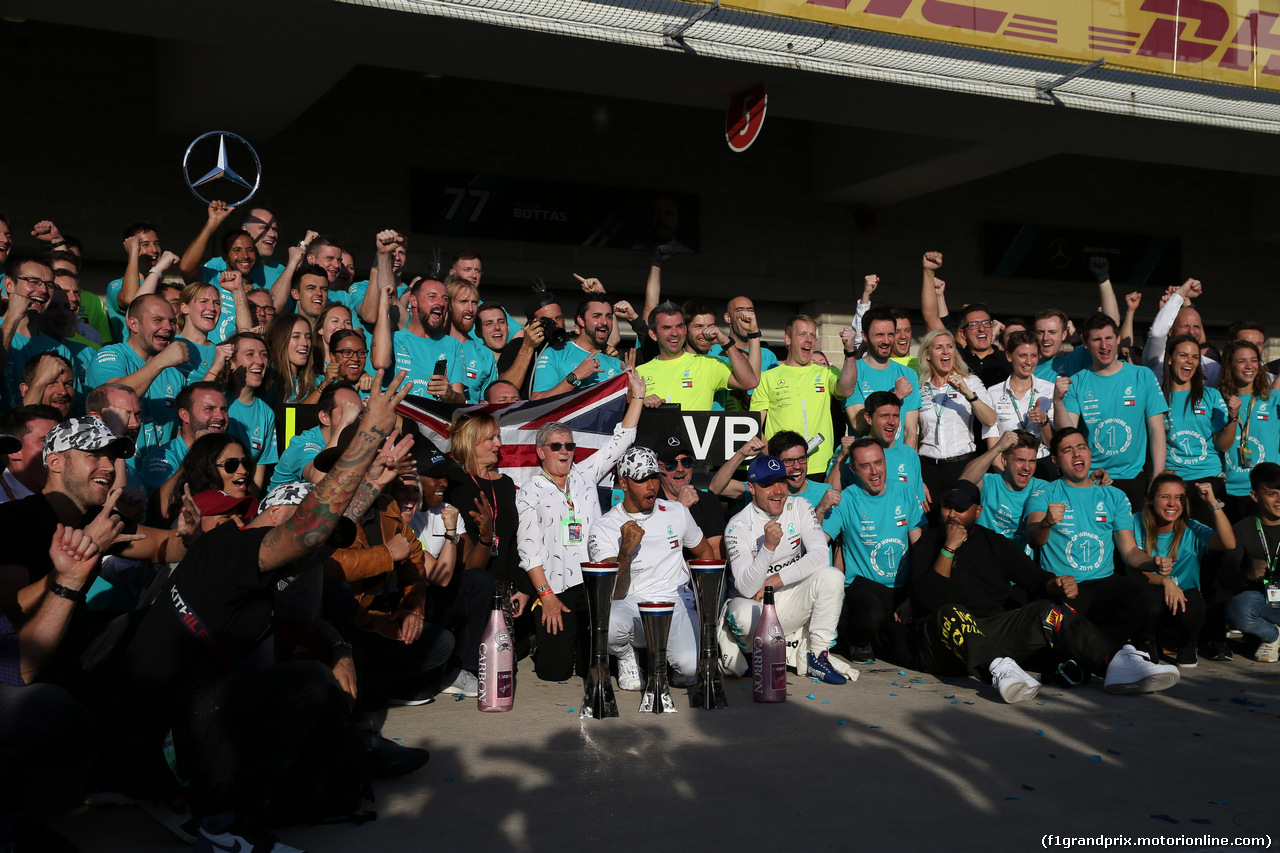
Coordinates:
(573, 380)
(452, 537)
(751, 336)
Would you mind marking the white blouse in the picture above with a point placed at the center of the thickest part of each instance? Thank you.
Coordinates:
(946, 418)
(1013, 411)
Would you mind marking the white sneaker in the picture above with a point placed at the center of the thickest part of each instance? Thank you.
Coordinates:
(628, 670)
(1268, 652)
(1132, 671)
(1012, 682)
(464, 684)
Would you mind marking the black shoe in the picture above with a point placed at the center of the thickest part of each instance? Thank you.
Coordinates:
(1186, 657)
(862, 655)
(388, 759)
(423, 698)
(1217, 650)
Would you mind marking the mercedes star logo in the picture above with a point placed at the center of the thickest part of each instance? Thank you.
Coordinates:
(222, 170)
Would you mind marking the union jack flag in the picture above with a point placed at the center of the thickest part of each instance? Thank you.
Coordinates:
(591, 413)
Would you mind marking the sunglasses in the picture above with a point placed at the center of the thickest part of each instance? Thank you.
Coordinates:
(233, 464)
(557, 446)
(682, 462)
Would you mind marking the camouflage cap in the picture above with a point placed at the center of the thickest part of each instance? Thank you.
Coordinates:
(88, 433)
(286, 494)
(638, 463)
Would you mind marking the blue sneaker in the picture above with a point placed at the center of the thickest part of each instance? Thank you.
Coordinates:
(820, 667)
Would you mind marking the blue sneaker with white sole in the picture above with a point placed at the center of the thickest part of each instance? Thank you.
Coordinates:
(820, 667)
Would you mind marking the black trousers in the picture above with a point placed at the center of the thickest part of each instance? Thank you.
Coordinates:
(388, 669)
(41, 729)
(1182, 628)
(867, 619)
(462, 608)
(246, 732)
(559, 655)
(953, 638)
(939, 475)
(1125, 609)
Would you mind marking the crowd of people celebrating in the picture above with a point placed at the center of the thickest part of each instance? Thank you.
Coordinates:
(217, 624)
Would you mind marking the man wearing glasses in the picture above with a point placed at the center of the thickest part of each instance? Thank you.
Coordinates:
(202, 409)
(975, 332)
(675, 473)
(28, 282)
(792, 451)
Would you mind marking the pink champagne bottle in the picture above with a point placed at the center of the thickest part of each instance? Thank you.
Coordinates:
(497, 674)
(769, 655)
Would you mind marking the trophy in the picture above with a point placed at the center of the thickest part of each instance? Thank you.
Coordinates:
(222, 170)
(656, 618)
(708, 586)
(597, 698)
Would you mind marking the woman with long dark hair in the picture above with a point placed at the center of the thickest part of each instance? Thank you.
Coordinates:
(216, 462)
(1195, 425)
(1252, 432)
(1178, 544)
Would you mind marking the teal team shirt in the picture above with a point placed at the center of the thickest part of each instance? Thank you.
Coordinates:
(1191, 550)
(1264, 441)
(117, 361)
(874, 532)
(871, 380)
(1189, 430)
(302, 448)
(1002, 507)
(1113, 412)
(200, 359)
(115, 315)
(1064, 364)
(1083, 543)
(901, 464)
(159, 464)
(263, 274)
(418, 356)
(255, 426)
(479, 369)
(556, 363)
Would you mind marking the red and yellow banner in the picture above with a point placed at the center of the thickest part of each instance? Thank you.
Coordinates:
(1234, 42)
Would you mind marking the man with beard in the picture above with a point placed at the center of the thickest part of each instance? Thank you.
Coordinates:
(143, 249)
(692, 379)
(644, 535)
(581, 361)
(49, 379)
(777, 541)
(29, 283)
(311, 292)
(80, 455)
(676, 477)
(1004, 494)
(879, 371)
(202, 409)
(364, 312)
(148, 363)
(479, 367)
(419, 348)
(883, 416)
(702, 338)
(740, 314)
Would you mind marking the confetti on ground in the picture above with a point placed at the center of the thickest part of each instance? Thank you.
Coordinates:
(1053, 755)
(1195, 734)
(1128, 724)
(1095, 757)
(746, 687)
(1165, 817)
(1217, 802)
(1240, 700)
(816, 680)
(840, 722)
(1027, 787)
(1201, 820)
(398, 739)
(893, 694)
(561, 705)
(1113, 752)
(1039, 732)
(955, 702)
(952, 696)
(1113, 730)
(902, 672)
(826, 702)
(968, 703)
(448, 778)
(571, 710)
(1013, 798)
(1042, 702)
(875, 727)
(811, 696)
(459, 698)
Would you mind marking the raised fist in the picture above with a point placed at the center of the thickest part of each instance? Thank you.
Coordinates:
(388, 241)
(847, 336)
(1055, 513)
(231, 281)
(218, 212)
(623, 311)
(902, 388)
(932, 260)
(1101, 268)
(1132, 301)
(632, 534)
(1061, 386)
(45, 230)
(869, 285)
(772, 535)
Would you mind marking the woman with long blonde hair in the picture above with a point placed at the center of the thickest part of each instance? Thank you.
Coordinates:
(951, 399)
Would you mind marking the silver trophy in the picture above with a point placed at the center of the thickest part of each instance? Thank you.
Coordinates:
(222, 170)
(708, 586)
(597, 698)
(656, 618)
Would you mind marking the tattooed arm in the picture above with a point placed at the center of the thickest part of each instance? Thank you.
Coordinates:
(318, 514)
(382, 473)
